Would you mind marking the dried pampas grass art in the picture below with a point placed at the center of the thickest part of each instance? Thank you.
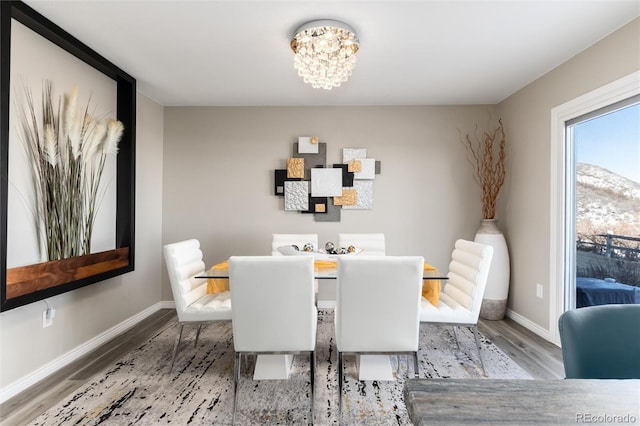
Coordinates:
(67, 148)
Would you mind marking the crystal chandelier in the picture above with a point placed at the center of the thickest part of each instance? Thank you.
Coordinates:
(325, 52)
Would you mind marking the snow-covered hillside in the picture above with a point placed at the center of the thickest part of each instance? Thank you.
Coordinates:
(607, 202)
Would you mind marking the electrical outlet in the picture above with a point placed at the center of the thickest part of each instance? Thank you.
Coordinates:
(539, 291)
(47, 318)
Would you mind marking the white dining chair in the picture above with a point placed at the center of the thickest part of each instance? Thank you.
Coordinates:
(274, 310)
(371, 244)
(193, 304)
(377, 307)
(280, 240)
(460, 300)
(299, 240)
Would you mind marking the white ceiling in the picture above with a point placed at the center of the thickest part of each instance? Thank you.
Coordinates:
(411, 52)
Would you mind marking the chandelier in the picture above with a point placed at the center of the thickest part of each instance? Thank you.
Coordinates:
(325, 52)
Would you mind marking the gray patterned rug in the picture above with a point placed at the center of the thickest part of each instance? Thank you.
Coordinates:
(138, 389)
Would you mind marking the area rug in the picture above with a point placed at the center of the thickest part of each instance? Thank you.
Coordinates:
(140, 390)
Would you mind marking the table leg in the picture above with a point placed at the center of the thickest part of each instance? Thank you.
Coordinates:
(272, 367)
(374, 367)
(326, 296)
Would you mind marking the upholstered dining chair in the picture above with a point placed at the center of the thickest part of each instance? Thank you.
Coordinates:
(371, 244)
(274, 309)
(299, 240)
(601, 342)
(377, 307)
(279, 240)
(193, 304)
(460, 300)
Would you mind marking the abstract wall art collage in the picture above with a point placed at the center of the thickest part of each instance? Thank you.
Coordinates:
(309, 185)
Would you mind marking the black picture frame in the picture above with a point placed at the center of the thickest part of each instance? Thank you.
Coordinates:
(126, 161)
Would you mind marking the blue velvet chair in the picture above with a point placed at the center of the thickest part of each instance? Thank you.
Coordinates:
(601, 342)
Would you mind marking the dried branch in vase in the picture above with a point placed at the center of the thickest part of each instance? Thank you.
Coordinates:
(486, 153)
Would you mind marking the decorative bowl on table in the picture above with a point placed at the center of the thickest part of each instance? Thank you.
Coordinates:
(331, 249)
(346, 252)
(292, 250)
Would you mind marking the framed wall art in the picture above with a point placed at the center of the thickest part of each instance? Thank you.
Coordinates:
(67, 114)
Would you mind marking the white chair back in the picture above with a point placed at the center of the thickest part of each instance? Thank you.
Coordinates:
(468, 272)
(371, 244)
(273, 303)
(299, 240)
(378, 303)
(184, 262)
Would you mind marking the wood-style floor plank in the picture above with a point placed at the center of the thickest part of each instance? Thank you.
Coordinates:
(541, 359)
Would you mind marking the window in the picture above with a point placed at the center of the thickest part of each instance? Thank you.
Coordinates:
(606, 182)
(562, 241)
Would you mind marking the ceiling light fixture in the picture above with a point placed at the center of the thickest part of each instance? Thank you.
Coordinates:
(325, 52)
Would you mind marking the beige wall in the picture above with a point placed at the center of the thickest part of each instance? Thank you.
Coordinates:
(219, 162)
(83, 314)
(525, 207)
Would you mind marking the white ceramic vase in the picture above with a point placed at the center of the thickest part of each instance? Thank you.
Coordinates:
(494, 302)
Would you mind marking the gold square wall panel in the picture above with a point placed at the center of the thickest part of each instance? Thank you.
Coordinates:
(349, 198)
(355, 166)
(295, 168)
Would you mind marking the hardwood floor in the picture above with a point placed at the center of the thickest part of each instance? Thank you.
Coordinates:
(538, 357)
(541, 359)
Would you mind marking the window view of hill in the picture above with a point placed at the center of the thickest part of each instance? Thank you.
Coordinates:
(606, 202)
(607, 225)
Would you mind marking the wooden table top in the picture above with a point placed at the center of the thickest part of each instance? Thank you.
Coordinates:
(522, 402)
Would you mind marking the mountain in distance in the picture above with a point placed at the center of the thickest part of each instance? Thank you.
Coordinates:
(606, 202)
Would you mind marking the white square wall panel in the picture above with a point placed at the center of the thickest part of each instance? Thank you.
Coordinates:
(364, 189)
(326, 182)
(308, 145)
(296, 195)
(349, 154)
(367, 169)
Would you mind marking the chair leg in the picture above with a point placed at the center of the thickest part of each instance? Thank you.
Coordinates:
(455, 334)
(312, 368)
(475, 335)
(197, 335)
(340, 378)
(175, 346)
(236, 379)
(416, 368)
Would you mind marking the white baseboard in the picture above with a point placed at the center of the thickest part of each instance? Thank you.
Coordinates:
(167, 304)
(529, 325)
(326, 304)
(46, 370)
